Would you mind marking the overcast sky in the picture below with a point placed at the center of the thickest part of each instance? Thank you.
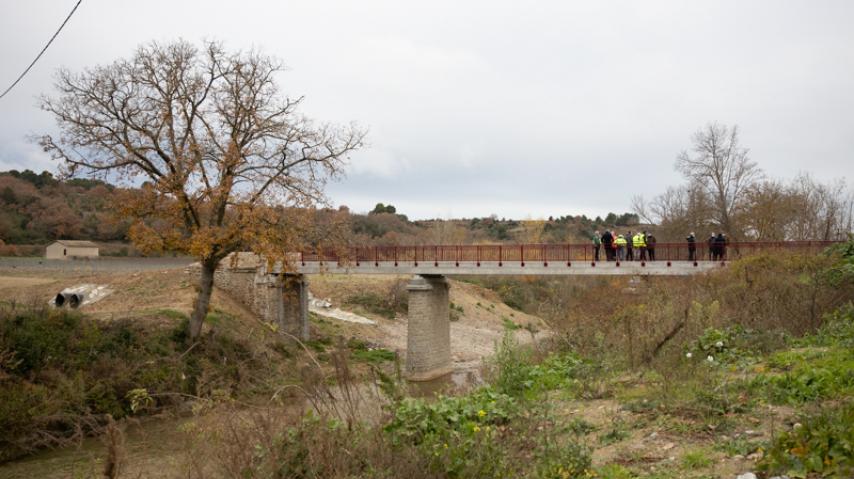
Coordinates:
(522, 109)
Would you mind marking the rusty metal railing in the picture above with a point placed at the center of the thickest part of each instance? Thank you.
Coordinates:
(546, 254)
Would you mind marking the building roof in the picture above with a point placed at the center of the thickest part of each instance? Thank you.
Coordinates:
(77, 243)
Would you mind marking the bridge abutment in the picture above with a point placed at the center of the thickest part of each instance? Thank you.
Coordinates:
(280, 299)
(428, 341)
(293, 318)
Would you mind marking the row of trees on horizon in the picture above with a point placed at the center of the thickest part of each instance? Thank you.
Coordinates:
(38, 208)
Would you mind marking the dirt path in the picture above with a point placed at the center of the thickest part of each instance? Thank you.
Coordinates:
(22, 282)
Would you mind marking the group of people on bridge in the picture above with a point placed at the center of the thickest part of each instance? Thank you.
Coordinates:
(640, 246)
(717, 247)
(629, 247)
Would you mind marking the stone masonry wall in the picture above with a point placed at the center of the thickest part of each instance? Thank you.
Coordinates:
(428, 353)
(240, 285)
(278, 299)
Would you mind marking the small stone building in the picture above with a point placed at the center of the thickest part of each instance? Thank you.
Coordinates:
(65, 249)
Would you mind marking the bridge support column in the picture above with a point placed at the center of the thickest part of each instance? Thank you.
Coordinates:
(428, 339)
(294, 307)
(282, 299)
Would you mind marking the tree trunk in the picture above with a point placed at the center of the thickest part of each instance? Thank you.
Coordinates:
(203, 299)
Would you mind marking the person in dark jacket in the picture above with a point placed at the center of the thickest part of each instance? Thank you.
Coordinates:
(692, 247)
(711, 242)
(650, 246)
(720, 247)
(607, 243)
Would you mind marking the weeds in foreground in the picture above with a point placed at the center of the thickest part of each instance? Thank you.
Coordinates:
(820, 443)
(614, 471)
(806, 375)
(485, 433)
(696, 459)
(738, 446)
(523, 372)
(64, 376)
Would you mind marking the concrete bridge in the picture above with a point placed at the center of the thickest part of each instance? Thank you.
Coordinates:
(281, 295)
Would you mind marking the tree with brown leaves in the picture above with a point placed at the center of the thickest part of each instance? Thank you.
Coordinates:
(225, 161)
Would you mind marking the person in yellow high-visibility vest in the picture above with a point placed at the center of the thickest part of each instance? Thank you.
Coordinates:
(621, 243)
(639, 245)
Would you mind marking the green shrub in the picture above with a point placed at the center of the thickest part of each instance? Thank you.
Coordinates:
(733, 345)
(374, 355)
(740, 446)
(837, 330)
(475, 452)
(459, 434)
(387, 305)
(508, 324)
(808, 375)
(319, 344)
(61, 372)
(511, 366)
(416, 419)
(616, 433)
(517, 374)
(823, 444)
(580, 427)
(696, 459)
(614, 471)
(363, 351)
(842, 271)
(562, 461)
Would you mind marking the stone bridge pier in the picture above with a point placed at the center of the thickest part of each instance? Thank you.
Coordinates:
(428, 339)
(281, 299)
(292, 290)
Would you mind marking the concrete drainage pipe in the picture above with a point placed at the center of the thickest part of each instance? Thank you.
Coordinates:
(72, 300)
(75, 300)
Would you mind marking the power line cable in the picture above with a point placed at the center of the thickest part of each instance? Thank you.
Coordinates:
(43, 50)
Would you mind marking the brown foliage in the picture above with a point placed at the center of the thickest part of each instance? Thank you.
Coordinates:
(51, 209)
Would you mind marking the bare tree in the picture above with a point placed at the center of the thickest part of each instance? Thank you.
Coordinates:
(641, 208)
(446, 232)
(218, 147)
(678, 211)
(822, 211)
(722, 167)
(771, 210)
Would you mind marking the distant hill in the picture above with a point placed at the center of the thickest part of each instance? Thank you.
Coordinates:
(38, 208)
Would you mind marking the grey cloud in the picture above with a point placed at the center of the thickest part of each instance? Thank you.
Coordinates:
(500, 107)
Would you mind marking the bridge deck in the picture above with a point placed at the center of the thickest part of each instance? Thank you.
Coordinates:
(448, 268)
(533, 259)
